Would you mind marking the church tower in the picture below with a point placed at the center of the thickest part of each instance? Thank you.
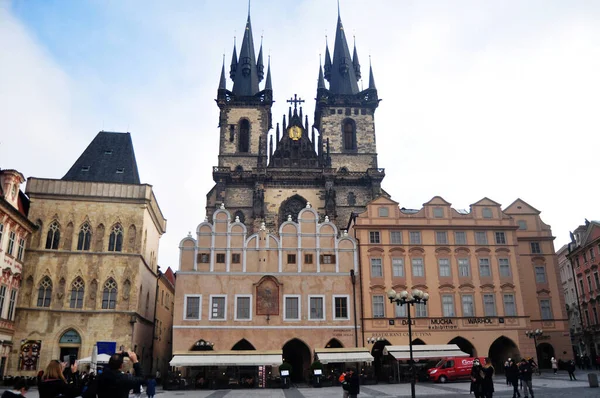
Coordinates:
(270, 178)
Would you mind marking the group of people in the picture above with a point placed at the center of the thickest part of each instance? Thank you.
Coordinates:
(482, 383)
(350, 383)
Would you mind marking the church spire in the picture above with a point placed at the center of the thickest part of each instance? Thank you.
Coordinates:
(343, 76)
(321, 83)
(355, 62)
(246, 78)
(371, 78)
(259, 65)
(268, 85)
(327, 62)
(234, 61)
(223, 81)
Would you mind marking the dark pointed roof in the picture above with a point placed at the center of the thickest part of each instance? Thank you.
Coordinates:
(260, 67)
(223, 81)
(355, 62)
(327, 62)
(246, 79)
(109, 158)
(321, 83)
(268, 85)
(371, 79)
(343, 77)
(234, 62)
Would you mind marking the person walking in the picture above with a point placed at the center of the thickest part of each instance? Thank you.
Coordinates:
(513, 375)
(344, 381)
(525, 371)
(353, 384)
(487, 384)
(54, 383)
(476, 379)
(571, 370)
(554, 363)
(506, 366)
(151, 387)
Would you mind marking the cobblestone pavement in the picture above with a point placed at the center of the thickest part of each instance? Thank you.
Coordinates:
(545, 386)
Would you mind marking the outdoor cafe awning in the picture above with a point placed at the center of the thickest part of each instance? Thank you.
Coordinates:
(342, 355)
(424, 351)
(227, 358)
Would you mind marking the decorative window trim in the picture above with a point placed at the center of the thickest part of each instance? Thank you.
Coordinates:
(185, 303)
(235, 317)
(322, 296)
(210, 310)
(299, 299)
(347, 297)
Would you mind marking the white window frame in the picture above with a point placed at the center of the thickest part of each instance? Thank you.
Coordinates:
(444, 314)
(399, 233)
(3, 298)
(535, 274)
(299, 299)
(412, 267)
(489, 267)
(444, 237)
(375, 237)
(347, 297)
(235, 313)
(12, 304)
(423, 307)
(373, 305)
(549, 309)
(462, 304)
(501, 234)
(481, 242)
(449, 264)
(21, 249)
(210, 310)
(414, 242)
(400, 310)
(380, 265)
(322, 296)
(493, 302)
(401, 266)
(185, 299)
(468, 267)
(500, 267)
(456, 239)
(514, 303)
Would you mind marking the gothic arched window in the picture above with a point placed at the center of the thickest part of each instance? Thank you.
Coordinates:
(115, 241)
(44, 292)
(85, 237)
(244, 137)
(53, 236)
(109, 294)
(349, 131)
(77, 292)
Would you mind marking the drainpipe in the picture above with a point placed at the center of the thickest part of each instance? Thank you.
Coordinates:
(353, 280)
(360, 284)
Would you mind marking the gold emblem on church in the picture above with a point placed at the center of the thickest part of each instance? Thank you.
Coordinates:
(295, 132)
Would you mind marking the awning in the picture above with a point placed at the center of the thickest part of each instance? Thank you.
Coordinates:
(342, 355)
(424, 351)
(102, 358)
(228, 358)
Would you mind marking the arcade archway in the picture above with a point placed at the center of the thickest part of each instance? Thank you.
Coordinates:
(545, 352)
(334, 343)
(243, 345)
(297, 354)
(418, 342)
(501, 349)
(70, 343)
(382, 365)
(464, 345)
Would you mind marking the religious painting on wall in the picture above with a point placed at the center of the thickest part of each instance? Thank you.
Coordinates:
(267, 296)
(30, 354)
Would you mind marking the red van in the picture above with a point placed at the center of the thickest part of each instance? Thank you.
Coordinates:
(453, 368)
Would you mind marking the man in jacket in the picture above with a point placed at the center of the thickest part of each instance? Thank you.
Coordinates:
(512, 374)
(525, 371)
(113, 383)
(353, 383)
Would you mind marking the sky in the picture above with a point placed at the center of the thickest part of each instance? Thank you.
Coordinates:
(495, 99)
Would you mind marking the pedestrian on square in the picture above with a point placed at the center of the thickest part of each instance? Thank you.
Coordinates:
(513, 376)
(554, 363)
(18, 391)
(597, 362)
(150, 387)
(506, 366)
(344, 380)
(353, 383)
(113, 383)
(525, 370)
(476, 379)
(487, 384)
(55, 384)
(571, 370)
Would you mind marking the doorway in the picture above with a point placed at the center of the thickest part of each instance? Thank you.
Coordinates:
(69, 344)
(501, 349)
(464, 345)
(545, 353)
(297, 354)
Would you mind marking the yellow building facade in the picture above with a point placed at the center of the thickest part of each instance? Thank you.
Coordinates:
(486, 288)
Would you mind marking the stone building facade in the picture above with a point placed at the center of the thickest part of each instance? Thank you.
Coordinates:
(486, 286)
(162, 349)
(584, 256)
(90, 274)
(290, 291)
(265, 177)
(571, 301)
(15, 229)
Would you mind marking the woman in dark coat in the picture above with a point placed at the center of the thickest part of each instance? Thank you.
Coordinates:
(487, 384)
(54, 384)
(476, 379)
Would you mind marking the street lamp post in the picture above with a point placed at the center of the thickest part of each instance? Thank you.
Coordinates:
(410, 299)
(534, 334)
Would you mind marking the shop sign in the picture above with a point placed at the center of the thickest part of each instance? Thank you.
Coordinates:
(442, 324)
(400, 334)
(475, 321)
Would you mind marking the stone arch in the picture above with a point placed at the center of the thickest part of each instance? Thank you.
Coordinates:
(501, 349)
(202, 345)
(243, 345)
(131, 239)
(291, 206)
(244, 136)
(241, 215)
(334, 343)
(349, 134)
(380, 361)
(464, 345)
(297, 354)
(418, 342)
(545, 352)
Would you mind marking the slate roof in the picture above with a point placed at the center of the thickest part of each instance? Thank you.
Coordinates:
(109, 158)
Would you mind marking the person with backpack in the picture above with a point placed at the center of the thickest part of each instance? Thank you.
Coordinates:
(353, 383)
(54, 384)
(150, 387)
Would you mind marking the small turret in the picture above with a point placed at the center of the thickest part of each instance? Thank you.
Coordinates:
(321, 83)
(371, 78)
(327, 66)
(268, 85)
(260, 68)
(355, 62)
(223, 81)
(234, 62)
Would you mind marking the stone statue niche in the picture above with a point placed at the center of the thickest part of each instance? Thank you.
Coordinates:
(291, 206)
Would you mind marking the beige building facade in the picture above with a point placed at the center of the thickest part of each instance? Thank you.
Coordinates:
(15, 229)
(162, 349)
(486, 287)
(91, 271)
(289, 291)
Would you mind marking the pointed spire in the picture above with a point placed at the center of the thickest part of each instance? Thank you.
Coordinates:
(343, 77)
(270, 146)
(268, 85)
(284, 124)
(234, 61)
(355, 62)
(371, 78)
(260, 68)
(246, 78)
(223, 81)
(306, 123)
(321, 83)
(277, 135)
(327, 66)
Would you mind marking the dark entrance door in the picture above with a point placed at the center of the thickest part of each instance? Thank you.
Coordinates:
(68, 351)
(297, 354)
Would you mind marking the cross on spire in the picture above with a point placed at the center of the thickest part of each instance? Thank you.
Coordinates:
(295, 101)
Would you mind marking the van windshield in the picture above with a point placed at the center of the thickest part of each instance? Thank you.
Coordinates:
(440, 363)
